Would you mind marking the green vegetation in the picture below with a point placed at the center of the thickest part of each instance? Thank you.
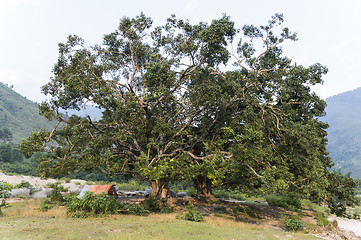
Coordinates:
(293, 223)
(33, 222)
(285, 201)
(226, 194)
(192, 214)
(171, 113)
(321, 219)
(344, 133)
(4, 194)
(19, 117)
(91, 204)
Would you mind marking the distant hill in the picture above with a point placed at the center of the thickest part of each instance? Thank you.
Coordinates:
(87, 110)
(344, 134)
(19, 115)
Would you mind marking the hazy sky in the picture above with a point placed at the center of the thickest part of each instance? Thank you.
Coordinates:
(328, 31)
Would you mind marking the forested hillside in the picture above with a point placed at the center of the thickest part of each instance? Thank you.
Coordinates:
(344, 134)
(19, 115)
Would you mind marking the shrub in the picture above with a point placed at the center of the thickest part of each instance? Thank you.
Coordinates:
(23, 184)
(136, 210)
(293, 223)
(192, 214)
(191, 191)
(4, 194)
(132, 185)
(156, 205)
(45, 205)
(55, 196)
(97, 204)
(92, 204)
(286, 201)
(321, 219)
(222, 193)
(8, 186)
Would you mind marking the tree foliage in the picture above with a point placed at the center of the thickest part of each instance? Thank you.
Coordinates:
(5, 135)
(180, 102)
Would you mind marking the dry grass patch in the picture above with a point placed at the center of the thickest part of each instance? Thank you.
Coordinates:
(222, 221)
(31, 208)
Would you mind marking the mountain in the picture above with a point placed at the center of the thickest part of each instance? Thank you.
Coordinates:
(19, 114)
(343, 114)
(87, 110)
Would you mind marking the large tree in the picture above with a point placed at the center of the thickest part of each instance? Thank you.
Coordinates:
(174, 108)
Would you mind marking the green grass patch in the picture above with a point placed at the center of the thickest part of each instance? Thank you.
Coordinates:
(24, 220)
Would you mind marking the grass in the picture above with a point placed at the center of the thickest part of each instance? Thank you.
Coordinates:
(24, 220)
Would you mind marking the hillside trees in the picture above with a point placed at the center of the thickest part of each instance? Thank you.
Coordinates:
(175, 108)
(5, 135)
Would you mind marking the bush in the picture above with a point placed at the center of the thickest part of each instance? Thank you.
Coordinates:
(45, 205)
(321, 219)
(156, 205)
(55, 196)
(191, 191)
(92, 205)
(287, 201)
(132, 185)
(192, 214)
(98, 204)
(23, 184)
(222, 193)
(7, 186)
(293, 223)
(4, 194)
(136, 210)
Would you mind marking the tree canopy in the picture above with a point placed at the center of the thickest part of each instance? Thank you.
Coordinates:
(188, 102)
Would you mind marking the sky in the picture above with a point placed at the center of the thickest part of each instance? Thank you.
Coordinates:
(30, 30)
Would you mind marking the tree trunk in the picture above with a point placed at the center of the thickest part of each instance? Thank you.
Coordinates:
(160, 189)
(204, 188)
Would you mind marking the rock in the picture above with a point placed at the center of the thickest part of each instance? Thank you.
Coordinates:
(182, 194)
(43, 193)
(20, 192)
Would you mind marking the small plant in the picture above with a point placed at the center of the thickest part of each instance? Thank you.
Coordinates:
(23, 184)
(46, 205)
(192, 214)
(4, 194)
(293, 223)
(55, 196)
(321, 219)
